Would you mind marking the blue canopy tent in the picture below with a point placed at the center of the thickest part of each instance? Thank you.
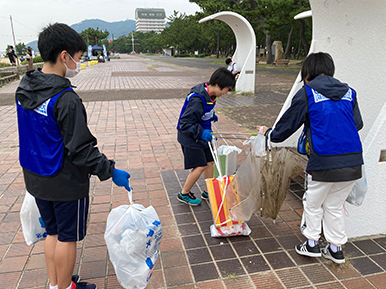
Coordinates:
(96, 47)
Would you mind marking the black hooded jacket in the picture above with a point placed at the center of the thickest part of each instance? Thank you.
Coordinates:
(81, 157)
(190, 129)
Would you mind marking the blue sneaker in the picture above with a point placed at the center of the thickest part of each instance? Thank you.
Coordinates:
(204, 195)
(188, 199)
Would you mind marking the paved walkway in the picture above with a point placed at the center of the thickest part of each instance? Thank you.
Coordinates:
(140, 135)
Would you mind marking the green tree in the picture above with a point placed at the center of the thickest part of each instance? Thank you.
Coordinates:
(271, 19)
(21, 49)
(94, 36)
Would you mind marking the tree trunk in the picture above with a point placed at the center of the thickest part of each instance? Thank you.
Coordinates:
(218, 43)
(268, 44)
(302, 37)
(287, 52)
(299, 49)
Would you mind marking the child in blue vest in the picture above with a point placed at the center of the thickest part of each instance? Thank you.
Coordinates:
(58, 153)
(329, 110)
(194, 130)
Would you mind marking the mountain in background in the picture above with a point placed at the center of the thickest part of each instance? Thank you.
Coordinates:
(117, 29)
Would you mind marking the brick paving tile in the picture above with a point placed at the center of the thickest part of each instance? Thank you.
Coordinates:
(379, 280)
(369, 247)
(317, 273)
(33, 278)
(217, 284)
(178, 276)
(37, 261)
(236, 282)
(359, 283)
(365, 266)
(292, 278)
(9, 280)
(332, 285)
(267, 280)
(173, 259)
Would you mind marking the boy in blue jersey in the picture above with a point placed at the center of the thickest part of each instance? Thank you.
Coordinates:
(194, 130)
(58, 153)
(329, 110)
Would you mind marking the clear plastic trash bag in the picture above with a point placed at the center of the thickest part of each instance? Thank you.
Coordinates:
(133, 238)
(31, 222)
(243, 193)
(358, 192)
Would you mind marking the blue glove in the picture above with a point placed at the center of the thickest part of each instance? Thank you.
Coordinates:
(121, 179)
(206, 135)
(215, 118)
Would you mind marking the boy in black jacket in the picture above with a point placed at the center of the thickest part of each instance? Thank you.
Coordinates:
(58, 153)
(194, 130)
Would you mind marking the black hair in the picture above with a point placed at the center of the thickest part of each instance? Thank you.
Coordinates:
(58, 37)
(11, 46)
(228, 60)
(223, 78)
(316, 64)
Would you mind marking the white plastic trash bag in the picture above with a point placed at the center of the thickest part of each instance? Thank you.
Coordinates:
(258, 144)
(133, 238)
(358, 192)
(31, 222)
(227, 157)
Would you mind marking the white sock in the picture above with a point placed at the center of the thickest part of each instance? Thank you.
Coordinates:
(312, 243)
(335, 248)
(54, 287)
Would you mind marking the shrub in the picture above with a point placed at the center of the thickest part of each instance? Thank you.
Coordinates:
(2, 64)
(38, 59)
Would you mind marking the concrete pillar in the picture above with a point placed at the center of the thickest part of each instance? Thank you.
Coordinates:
(345, 29)
(245, 54)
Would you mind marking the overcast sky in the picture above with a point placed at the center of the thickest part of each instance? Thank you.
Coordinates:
(29, 17)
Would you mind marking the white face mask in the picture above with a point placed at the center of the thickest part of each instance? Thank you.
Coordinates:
(71, 73)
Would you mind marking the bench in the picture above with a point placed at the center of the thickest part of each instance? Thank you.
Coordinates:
(281, 62)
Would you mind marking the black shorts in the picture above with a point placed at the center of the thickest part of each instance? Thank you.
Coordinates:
(194, 158)
(67, 219)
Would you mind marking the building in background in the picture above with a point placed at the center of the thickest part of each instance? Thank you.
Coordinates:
(150, 19)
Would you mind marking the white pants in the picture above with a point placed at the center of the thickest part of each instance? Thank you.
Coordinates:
(323, 202)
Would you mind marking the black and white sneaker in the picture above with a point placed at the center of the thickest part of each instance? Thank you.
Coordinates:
(335, 257)
(306, 250)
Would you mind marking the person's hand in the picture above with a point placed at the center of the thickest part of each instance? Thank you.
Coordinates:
(206, 135)
(215, 118)
(121, 179)
(264, 129)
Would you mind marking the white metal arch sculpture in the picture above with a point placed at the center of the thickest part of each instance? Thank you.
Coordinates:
(346, 29)
(245, 54)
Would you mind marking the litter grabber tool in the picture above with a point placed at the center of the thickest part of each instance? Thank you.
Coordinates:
(233, 135)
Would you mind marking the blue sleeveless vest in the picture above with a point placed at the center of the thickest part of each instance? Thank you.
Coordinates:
(333, 130)
(206, 119)
(40, 140)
